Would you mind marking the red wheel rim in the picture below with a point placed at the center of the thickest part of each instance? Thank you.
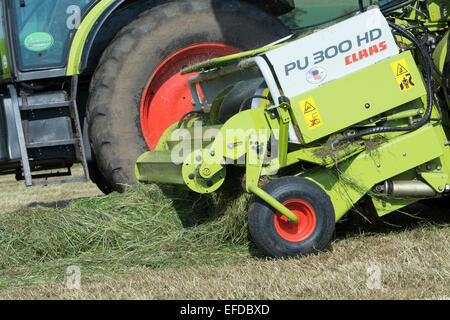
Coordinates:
(306, 221)
(166, 97)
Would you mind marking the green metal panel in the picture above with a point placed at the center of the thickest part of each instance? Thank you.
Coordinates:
(352, 179)
(440, 53)
(365, 97)
(158, 166)
(4, 69)
(4, 59)
(76, 50)
(437, 180)
(385, 206)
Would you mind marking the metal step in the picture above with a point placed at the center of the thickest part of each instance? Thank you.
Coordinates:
(45, 106)
(59, 181)
(48, 101)
(52, 143)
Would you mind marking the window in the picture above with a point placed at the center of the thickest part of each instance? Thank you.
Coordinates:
(44, 29)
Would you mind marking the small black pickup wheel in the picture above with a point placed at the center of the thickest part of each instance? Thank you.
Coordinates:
(278, 237)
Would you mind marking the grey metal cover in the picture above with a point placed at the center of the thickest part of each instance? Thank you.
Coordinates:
(3, 145)
(12, 140)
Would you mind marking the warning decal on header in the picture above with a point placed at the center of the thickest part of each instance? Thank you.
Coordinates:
(311, 113)
(402, 75)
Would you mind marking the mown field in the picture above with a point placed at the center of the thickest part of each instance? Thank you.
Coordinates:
(158, 243)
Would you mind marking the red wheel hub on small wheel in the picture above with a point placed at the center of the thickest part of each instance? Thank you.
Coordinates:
(167, 97)
(306, 221)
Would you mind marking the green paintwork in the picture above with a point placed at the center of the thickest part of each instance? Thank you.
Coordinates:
(386, 206)
(437, 180)
(436, 21)
(440, 58)
(201, 180)
(242, 131)
(339, 111)
(162, 169)
(5, 72)
(310, 155)
(5, 69)
(440, 53)
(352, 179)
(77, 47)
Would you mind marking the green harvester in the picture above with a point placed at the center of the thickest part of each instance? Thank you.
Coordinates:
(356, 110)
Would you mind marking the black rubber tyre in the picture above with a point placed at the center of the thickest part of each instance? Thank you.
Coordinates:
(131, 59)
(99, 179)
(261, 218)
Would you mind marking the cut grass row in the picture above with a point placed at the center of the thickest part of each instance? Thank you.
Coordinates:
(413, 264)
(144, 227)
(161, 243)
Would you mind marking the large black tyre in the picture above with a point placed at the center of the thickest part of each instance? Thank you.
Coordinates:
(128, 63)
(275, 236)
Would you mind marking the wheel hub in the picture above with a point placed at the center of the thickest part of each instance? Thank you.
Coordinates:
(296, 232)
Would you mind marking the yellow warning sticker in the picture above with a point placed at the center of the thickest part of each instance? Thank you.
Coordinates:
(311, 113)
(402, 75)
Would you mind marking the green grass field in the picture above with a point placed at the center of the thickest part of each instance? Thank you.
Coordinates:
(158, 243)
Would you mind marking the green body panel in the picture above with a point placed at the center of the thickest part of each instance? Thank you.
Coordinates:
(435, 20)
(77, 47)
(247, 127)
(435, 11)
(386, 206)
(437, 180)
(311, 155)
(5, 72)
(373, 84)
(162, 168)
(434, 172)
(352, 179)
(440, 53)
(4, 60)
(440, 59)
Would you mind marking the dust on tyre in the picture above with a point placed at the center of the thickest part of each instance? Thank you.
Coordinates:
(278, 237)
